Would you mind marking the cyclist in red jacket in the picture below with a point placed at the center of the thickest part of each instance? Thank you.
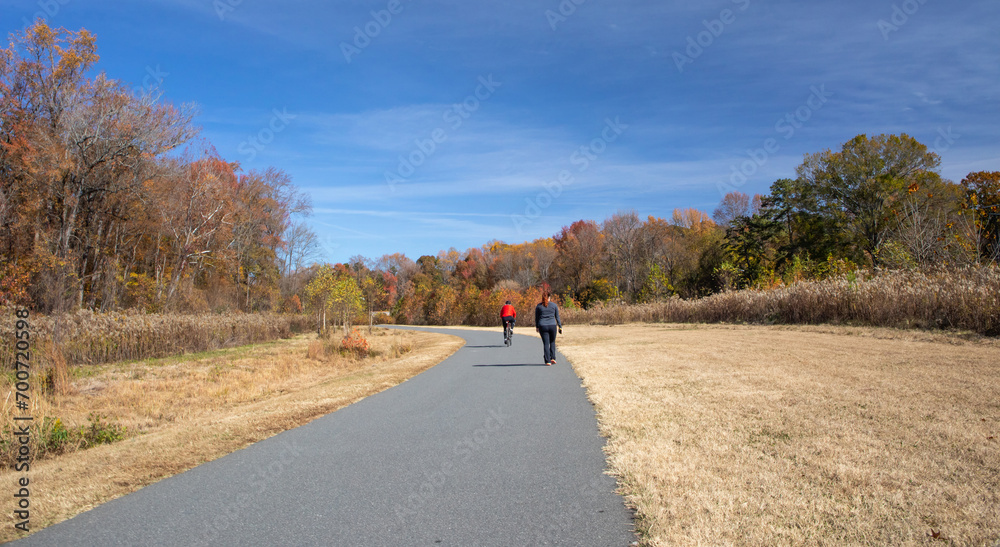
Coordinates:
(508, 315)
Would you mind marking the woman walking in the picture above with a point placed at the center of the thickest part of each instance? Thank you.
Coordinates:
(546, 322)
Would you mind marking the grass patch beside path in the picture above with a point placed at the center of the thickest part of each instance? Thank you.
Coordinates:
(181, 412)
(733, 435)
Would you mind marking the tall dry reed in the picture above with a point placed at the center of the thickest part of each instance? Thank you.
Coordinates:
(950, 298)
(85, 337)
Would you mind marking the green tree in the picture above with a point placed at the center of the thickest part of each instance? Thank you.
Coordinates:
(335, 293)
(806, 230)
(750, 243)
(320, 292)
(861, 184)
(600, 290)
(347, 301)
(657, 285)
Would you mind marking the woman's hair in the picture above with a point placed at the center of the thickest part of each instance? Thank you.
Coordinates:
(545, 296)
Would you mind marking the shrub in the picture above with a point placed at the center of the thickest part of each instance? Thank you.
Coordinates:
(50, 437)
(355, 344)
(100, 432)
(53, 436)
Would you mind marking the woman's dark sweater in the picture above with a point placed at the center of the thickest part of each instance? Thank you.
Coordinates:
(547, 316)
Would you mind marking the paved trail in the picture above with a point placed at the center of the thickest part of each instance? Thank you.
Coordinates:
(490, 447)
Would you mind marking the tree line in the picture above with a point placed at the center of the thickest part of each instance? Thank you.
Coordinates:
(108, 199)
(878, 202)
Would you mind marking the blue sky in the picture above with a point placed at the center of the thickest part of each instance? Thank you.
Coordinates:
(449, 124)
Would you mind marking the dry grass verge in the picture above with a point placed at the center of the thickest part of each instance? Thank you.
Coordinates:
(232, 397)
(798, 435)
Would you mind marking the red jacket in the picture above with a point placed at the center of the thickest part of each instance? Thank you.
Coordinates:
(508, 311)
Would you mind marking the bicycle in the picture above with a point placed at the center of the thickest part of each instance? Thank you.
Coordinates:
(508, 333)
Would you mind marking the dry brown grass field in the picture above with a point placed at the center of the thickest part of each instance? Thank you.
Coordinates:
(736, 435)
(182, 411)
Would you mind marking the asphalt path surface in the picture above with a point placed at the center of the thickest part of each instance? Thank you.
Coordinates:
(490, 447)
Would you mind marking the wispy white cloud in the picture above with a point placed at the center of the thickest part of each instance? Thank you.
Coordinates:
(937, 72)
(404, 215)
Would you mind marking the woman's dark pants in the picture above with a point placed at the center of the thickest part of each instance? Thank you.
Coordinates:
(548, 333)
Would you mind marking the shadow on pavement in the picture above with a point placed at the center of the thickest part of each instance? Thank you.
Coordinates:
(516, 365)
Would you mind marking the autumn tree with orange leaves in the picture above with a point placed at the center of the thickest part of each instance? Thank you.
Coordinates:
(96, 213)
